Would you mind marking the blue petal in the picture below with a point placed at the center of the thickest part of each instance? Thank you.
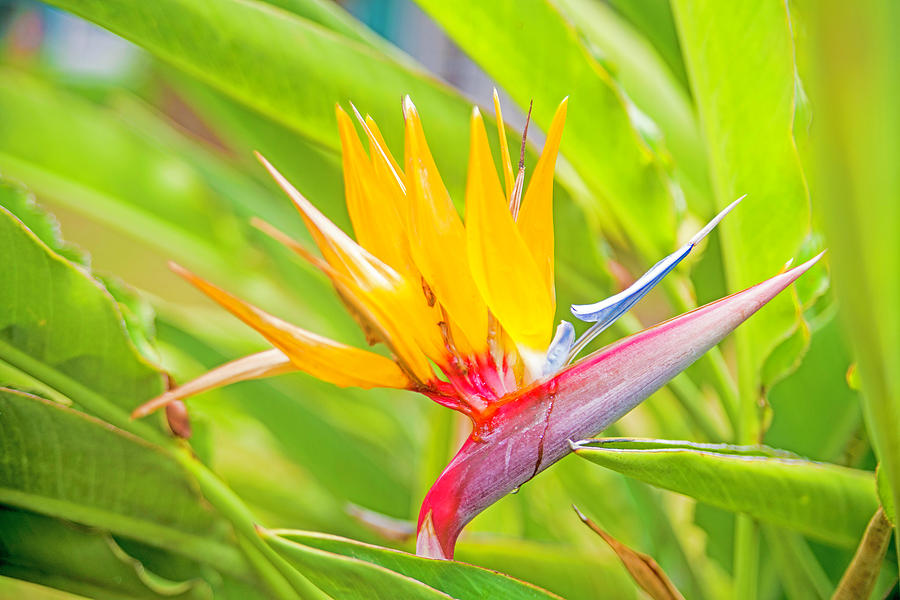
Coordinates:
(604, 313)
(558, 352)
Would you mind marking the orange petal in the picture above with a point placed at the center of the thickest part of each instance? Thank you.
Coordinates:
(320, 357)
(401, 299)
(438, 240)
(262, 364)
(338, 249)
(502, 265)
(508, 176)
(396, 315)
(536, 216)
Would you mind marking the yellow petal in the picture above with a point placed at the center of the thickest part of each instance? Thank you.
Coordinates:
(502, 265)
(388, 174)
(438, 240)
(338, 249)
(375, 133)
(395, 315)
(373, 210)
(536, 216)
(262, 364)
(320, 357)
(508, 176)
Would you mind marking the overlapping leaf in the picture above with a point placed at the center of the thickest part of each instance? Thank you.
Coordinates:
(748, 125)
(824, 501)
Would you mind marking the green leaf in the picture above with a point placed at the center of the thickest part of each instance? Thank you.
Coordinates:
(60, 462)
(814, 411)
(81, 560)
(61, 331)
(648, 82)
(271, 60)
(17, 199)
(856, 144)
(459, 580)
(884, 496)
(600, 140)
(575, 573)
(16, 588)
(653, 18)
(346, 577)
(127, 170)
(824, 501)
(62, 328)
(747, 119)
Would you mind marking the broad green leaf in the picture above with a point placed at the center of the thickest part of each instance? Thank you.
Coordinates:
(16, 588)
(856, 145)
(814, 411)
(885, 497)
(459, 580)
(81, 560)
(575, 573)
(61, 328)
(130, 172)
(600, 139)
(653, 18)
(345, 577)
(823, 501)
(18, 200)
(650, 84)
(63, 463)
(271, 60)
(740, 59)
(69, 143)
(800, 572)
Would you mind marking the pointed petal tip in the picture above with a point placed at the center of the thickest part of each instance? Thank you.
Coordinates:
(580, 514)
(714, 222)
(476, 114)
(359, 117)
(409, 109)
(178, 269)
(803, 268)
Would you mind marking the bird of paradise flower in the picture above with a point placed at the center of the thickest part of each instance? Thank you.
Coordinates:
(467, 310)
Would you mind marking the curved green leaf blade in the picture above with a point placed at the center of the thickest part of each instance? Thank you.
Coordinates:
(854, 53)
(350, 578)
(649, 82)
(460, 580)
(271, 59)
(81, 560)
(16, 588)
(740, 59)
(60, 462)
(653, 18)
(60, 327)
(600, 140)
(824, 501)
